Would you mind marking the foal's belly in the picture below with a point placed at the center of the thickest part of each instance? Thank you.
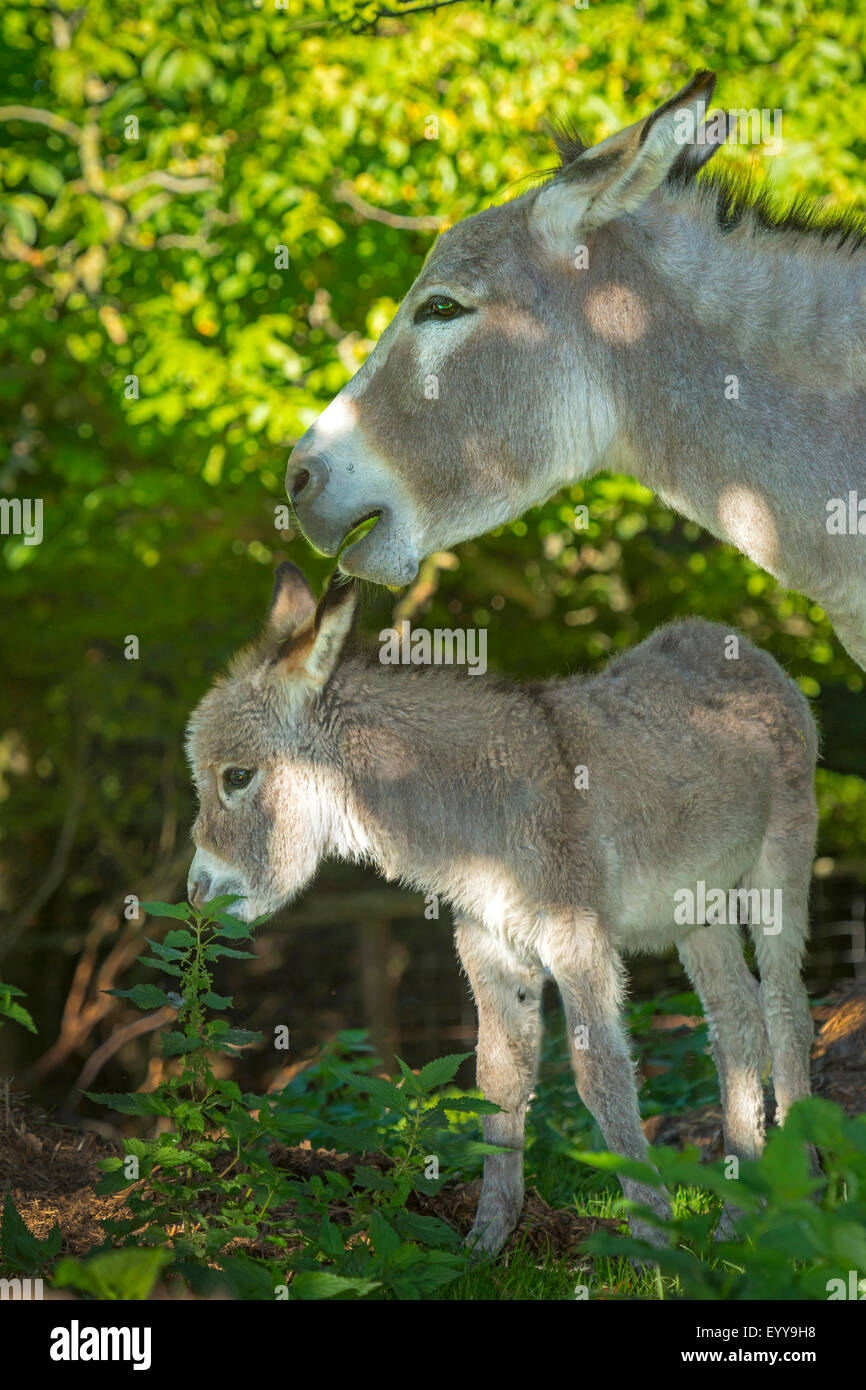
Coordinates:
(660, 907)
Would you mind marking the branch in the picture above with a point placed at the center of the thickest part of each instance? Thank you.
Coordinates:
(96, 1061)
(368, 26)
(161, 178)
(40, 117)
(81, 1013)
(425, 586)
(420, 9)
(345, 193)
(56, 869)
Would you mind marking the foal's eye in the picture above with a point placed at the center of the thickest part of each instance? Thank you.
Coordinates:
(441, 306)
(236, 777)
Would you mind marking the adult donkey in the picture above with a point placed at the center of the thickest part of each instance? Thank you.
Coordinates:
(622, 315)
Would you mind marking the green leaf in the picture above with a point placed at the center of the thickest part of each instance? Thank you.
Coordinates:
(319, 1284)
(142, 996)
(232, 927)
(21, 1249)
(119, 1275)
(16, 1012)
(371, 1179)
(162, 965)
(165, 952)
(45, 178)
(182, 912)
(178, 939)
(292, 1126)
(241, 1037)
(385, 1092)
(467, 1105)
(386, 1241)
(428, 1230)
(216, 904)
(410, 1080)
(330, 1239)
(245, 1278)
(135, 1103)
(177, 1044)
(441, 1070)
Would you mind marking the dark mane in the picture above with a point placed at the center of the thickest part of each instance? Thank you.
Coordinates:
(569, 142)
(736, 196)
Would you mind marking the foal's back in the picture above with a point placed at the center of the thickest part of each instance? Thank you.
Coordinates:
(696, 744)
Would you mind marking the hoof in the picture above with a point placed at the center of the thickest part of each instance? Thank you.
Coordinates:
(727, 1227)
(488, 1236)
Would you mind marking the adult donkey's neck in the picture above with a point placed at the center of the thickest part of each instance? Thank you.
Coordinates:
(736, 362)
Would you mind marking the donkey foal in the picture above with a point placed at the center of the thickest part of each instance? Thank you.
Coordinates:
(662, 802)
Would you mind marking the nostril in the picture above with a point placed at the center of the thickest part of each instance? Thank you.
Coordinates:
(197, 891)
(306, 477)
(299, 482)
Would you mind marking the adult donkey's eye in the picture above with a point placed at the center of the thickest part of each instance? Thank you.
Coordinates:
(235, 777)
(441, 306)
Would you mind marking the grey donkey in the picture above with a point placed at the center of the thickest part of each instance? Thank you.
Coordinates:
(624, 315)
(566, 822)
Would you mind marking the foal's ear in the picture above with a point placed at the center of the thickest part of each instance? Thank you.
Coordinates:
(616, 176)
(332, 624)
(314, 651)
(292, 601)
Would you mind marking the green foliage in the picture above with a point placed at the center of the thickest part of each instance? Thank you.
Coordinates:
(684, 1075)
(796, 1232)
(210, 1202)
(19, 1250)
(10, 1009)
(127, 1275)
(209, 1180)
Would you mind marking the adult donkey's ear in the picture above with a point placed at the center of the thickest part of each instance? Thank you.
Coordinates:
(314, 650)
(292, 602)
(616, 176)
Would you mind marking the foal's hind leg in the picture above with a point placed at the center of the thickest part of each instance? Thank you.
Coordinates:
(783, 876)
(508, 999)
(713, 959)
(590, 978)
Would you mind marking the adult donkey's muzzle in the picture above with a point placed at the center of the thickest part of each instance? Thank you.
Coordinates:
(333, 493)
(321, 493)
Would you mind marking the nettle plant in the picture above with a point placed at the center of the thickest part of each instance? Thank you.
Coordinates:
(11, 1009)
(205, 1112)
(211, 1179)
(800, 1234)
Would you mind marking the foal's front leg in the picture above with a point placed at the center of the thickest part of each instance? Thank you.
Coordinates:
(508, 999)
(589, 974)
